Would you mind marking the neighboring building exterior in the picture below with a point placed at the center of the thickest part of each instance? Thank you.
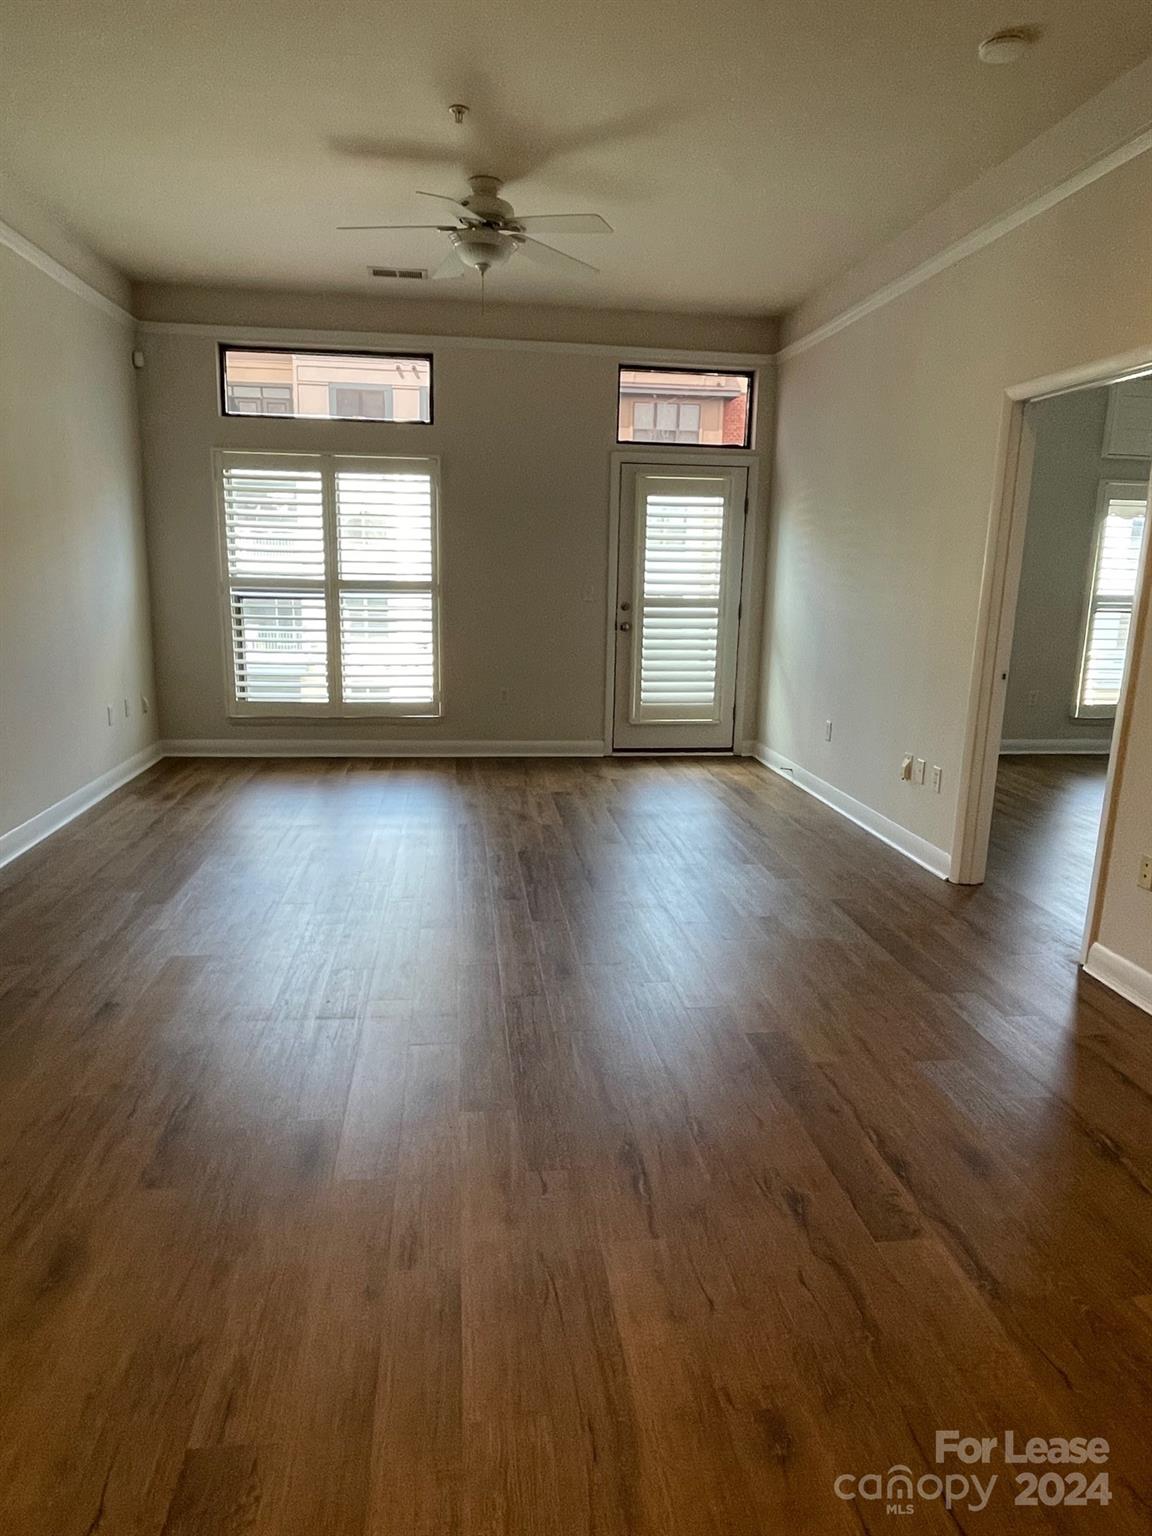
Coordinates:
(658, 406)
(327, 385)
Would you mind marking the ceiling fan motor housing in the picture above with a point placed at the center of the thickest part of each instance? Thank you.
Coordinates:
(484, 200)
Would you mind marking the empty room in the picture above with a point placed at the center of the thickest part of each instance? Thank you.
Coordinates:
(575, 769)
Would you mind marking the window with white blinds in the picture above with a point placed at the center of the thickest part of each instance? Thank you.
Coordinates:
(1116, 561)
(330, 576)
(682, 566)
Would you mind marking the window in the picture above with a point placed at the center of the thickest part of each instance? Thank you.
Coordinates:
(666, 421)
(681, 405)
(361, 404)
(1115, 562)
(345, 386)
(330, 584)
(259, 400)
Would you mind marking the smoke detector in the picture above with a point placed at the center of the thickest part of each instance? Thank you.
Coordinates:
(1007, 46)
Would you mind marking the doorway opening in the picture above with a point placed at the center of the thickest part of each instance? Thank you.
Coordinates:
(1072, 601)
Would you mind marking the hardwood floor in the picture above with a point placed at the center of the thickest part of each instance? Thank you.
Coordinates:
(1044, 831)
(549, 1147)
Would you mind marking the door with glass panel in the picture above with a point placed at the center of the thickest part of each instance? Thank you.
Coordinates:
(678, 605)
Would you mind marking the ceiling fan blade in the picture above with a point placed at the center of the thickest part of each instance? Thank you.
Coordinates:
(565, 224)
(549, 256)
(453, 203)
(451, 266)
(360, 146)
(444, 227)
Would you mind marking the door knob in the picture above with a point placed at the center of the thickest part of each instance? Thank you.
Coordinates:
(625, 625)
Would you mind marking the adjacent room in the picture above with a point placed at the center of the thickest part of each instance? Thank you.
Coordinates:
(1084, 510)
(575, 770)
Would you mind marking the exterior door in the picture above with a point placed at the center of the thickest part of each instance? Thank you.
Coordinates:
(678, 605)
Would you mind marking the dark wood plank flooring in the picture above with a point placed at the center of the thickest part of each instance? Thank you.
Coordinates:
(1044, 831)
(546, 1148)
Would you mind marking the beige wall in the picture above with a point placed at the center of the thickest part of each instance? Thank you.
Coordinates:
(886, 471)
(74, 627)
(399, 313)
(525, 438)
(1068, 466)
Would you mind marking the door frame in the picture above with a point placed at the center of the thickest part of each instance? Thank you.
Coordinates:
(748, 623)
(999, 594)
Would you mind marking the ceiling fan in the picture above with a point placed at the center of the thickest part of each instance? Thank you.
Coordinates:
(488, 232)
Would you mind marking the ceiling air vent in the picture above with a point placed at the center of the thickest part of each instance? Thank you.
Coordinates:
(416, 273)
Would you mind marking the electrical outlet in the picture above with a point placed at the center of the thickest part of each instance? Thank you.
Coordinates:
(1145, 880)
(108, 712)
(921, 765)
(906, 769)
(937, 777)
(1033, 698)
(827, 730)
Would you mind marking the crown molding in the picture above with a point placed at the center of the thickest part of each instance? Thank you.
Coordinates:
(957, 250)
(59, 273)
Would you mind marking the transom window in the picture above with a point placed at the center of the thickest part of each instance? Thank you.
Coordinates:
(685, 406)
(1120, 522)
(333, 386)
(330, 584)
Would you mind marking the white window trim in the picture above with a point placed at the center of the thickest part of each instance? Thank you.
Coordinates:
(1108, 491)
(331, 585)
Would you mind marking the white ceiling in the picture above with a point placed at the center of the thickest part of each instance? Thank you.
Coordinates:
(745, 151)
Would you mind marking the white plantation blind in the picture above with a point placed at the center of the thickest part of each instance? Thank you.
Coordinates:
(279, 646)
(681, 572)
(387, 602)
(1120, 533)
(385, 525)
(273, 514)
(387, 644)
(331, 582)
(274, 519)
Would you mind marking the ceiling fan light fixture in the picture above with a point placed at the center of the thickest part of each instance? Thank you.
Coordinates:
(482, 248)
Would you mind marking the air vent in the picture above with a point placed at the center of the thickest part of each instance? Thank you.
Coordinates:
(418, 274)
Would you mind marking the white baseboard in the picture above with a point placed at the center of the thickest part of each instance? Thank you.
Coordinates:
(37, 828)
(1123, 976)
(918, 849)
(377, 747)
(1094, 746)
